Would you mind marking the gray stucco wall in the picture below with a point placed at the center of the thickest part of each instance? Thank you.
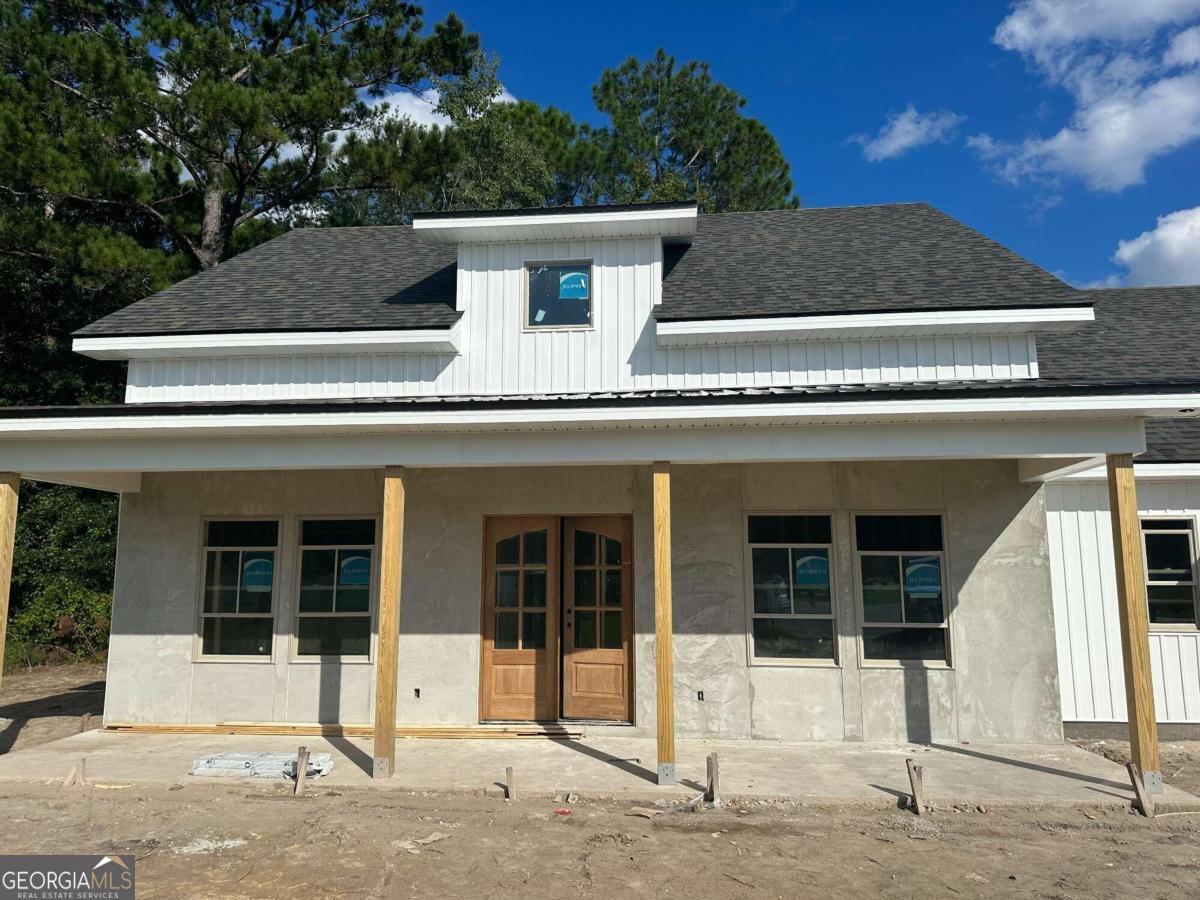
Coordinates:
(1002, 686)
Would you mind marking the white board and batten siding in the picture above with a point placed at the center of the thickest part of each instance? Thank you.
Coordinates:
(1087, 629)
(619, 353)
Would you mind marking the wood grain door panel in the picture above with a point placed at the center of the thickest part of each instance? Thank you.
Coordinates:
(597, 618)
(520, 619)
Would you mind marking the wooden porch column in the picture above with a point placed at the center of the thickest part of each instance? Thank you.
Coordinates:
(391, 554)
(10, 484)
(1135, 619)
(664, 669)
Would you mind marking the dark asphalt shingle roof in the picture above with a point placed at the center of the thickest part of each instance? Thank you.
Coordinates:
(898, 257)
(1138, 333)
(1172, 441)
(311, 279)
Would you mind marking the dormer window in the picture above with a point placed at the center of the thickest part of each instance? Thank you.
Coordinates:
(559, 295)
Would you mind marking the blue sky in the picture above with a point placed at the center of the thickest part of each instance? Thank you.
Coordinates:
(1058, 127)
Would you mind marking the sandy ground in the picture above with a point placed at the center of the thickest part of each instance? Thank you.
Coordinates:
(256, 840)
(47, 703)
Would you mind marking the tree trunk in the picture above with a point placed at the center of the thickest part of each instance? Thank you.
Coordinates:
(212, 231)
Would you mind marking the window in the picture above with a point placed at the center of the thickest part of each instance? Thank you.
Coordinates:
(1170, 571)
(901, 569)
(791, 609)
(239, 585)
(334, 612)
(560, 295)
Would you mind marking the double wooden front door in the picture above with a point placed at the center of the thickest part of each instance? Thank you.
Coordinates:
(557, 618)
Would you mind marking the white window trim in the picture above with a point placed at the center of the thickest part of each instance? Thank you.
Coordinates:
(294, 656)
(529, 264)
(948, 603)
(198, 654)
(1178, 628)
(748, 590)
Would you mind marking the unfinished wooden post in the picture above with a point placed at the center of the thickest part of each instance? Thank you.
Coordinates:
(664, 671)
(916, 783)
(713, 792)
(10, 484)
(301, 770)
(390, 558)
(1135, 620)
(1144, 803)
(510, 792)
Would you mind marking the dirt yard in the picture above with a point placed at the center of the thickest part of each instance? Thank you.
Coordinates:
(214, 840)
(46, 703)
(256, 840)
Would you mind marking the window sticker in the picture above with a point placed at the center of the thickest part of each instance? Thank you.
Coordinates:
(812, 570)
(573, 285)
(923, 576)
(356, 571)
(256, 574)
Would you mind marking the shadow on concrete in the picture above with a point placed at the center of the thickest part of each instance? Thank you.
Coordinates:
(625, 765)
(354, 754)
(83, 698)
(1035, 767)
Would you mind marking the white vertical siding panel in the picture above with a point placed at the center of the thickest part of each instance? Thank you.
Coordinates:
(1086, 619)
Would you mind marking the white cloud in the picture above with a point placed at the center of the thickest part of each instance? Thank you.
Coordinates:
(1169, 253)
(1184, 49)
(1119, 60)
(907, 130)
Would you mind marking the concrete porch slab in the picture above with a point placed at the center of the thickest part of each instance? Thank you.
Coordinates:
(817, 773)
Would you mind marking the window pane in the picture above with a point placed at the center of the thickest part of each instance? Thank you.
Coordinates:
(585, 628)
(334, 636)
(535, 588)
(1171, 604)
(354, 581)
(789, 530)
(880, 588)
(810, 581)
(533, 634)
(242, 534)
(316, 580)
(560, 295)
(922, 589)
(610, 632)
(508, 551)
(236, 636)
(612, 587)
(905, 643)
(258, 573)
(1169, 557)
(585, 587)
(507, 589)
(1167, 524)
(585, 548)
(611, 551)
(535, 547)
(793, 638)
(221, 581)
(898, 532)
(337, 532)
(506, 630)
(769, 567)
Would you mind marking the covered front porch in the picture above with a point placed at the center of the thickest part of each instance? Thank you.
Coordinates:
(695, 669)
(871, 775)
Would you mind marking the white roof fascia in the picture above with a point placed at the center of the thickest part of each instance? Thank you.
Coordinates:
(270, 343)
(592, 223)
(1142, 471)
(412, 418)
(871, 325)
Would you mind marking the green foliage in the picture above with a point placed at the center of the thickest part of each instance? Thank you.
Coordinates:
(64, 621)
(676, 134)
(198, 118)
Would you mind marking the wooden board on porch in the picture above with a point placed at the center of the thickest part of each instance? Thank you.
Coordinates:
(436, 732)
